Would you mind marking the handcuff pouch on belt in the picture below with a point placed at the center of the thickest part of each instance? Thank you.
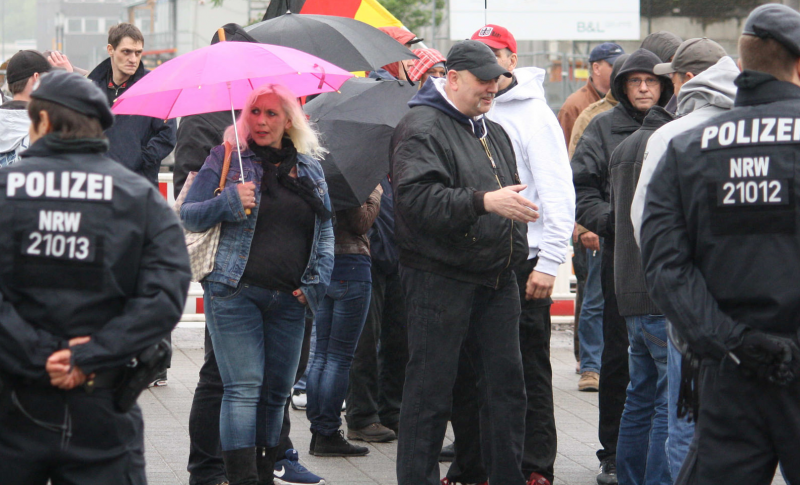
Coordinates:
(139, 373)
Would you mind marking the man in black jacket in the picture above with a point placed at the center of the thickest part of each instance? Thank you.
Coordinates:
(93, 270)
(137, 142)
(460, 228)
(721, 254)
(641, 456)
(637, 90)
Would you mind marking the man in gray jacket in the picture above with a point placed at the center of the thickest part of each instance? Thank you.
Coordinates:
(701, 95)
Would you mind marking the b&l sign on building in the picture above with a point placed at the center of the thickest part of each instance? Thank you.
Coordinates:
(548, 19)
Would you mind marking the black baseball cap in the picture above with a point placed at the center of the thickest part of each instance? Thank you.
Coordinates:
(776, 21)
(476, 57)
(25, 64)
(75, 92)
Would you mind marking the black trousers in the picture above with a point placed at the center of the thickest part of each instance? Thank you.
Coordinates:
(444, 315)
(614, 376)
(539, 452)
(744, 429)
(379, 363)
(102, 445)
(205, 455)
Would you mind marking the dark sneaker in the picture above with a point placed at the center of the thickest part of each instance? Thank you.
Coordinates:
(313, 443)
(448, 453)
(374, 433)
(289, 471)
(336, 445)
(160, 380)
(608, 472)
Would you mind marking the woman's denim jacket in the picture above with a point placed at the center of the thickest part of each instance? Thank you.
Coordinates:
(202, 210)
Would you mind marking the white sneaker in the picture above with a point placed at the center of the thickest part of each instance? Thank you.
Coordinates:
(299, 400)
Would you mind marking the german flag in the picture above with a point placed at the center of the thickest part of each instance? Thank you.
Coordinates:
(367, 11)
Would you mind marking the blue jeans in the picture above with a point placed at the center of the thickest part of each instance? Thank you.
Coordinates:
(257, 336)
(300, 385)
(340, 319)
(641, 454)
(590, 325)
(681, 431)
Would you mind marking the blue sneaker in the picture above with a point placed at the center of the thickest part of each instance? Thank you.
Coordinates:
(289, 471)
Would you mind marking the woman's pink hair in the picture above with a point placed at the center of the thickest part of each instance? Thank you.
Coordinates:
(304, 137)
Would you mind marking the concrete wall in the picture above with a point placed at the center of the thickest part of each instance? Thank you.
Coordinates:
(198, 20)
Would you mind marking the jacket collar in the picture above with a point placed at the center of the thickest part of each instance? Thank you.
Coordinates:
(761, 88)
(100, 73)
(433, 94)
(622, 121)
(656, 118)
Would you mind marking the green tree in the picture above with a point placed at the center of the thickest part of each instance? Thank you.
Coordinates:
(414, 13)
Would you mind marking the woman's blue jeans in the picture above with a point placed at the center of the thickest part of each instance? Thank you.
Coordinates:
(340, 319)
(641, 454)
(257, 336)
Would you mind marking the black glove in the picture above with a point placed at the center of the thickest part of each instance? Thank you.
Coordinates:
(769, 357)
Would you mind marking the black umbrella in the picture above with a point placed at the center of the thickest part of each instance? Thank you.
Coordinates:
(357, 127)
(347, 43)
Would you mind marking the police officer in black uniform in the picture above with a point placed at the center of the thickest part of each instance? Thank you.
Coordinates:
(721, 251)
(93, 270)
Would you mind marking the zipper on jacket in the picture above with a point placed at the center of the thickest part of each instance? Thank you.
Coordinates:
(511, 232)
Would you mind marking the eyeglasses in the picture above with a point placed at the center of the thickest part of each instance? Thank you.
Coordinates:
(636, 82)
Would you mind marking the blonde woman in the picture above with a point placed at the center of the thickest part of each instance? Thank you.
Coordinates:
(270, 265)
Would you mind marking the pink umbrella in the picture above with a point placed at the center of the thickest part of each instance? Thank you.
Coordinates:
(220, 77)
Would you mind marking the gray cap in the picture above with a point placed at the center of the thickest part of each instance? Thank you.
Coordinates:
(694, 55)
(776, 21)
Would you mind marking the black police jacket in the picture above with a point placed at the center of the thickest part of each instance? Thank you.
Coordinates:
(87, 249)
(438, 165)
(720, 243)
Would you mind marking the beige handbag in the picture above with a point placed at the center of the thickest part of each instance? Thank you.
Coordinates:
(202, 246)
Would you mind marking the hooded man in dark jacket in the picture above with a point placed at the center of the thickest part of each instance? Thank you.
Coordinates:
(637, 89)
(460, 227)
(641, 456)
(137, 142)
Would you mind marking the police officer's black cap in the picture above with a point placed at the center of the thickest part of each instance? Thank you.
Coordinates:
(775, 21)
(76, 93)
(476, 57)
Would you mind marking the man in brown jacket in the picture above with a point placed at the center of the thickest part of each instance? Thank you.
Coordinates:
(601, 61)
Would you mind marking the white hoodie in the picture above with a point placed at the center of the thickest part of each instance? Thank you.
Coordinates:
(543, 165)
(704, 96)
(14, 125)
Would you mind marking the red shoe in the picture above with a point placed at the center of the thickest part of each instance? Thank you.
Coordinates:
(537, 479)
(446, 481)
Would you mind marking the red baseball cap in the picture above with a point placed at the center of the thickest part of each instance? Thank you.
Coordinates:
(496, 37)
